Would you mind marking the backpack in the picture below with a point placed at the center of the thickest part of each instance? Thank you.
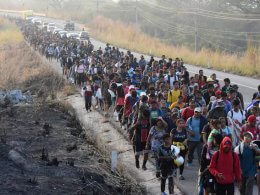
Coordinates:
(240, 155)
(211, 180)
(232, 113)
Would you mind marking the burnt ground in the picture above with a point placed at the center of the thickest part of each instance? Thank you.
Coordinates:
(43, 150)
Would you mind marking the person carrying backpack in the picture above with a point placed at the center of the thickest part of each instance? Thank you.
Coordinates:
(206, 179)
(225, 167)
(236, 114)
(195, 125)
(247, 154)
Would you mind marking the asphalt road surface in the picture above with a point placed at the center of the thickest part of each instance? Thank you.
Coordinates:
(247, 85)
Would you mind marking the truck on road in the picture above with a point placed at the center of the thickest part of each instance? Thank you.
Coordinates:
(69, 26)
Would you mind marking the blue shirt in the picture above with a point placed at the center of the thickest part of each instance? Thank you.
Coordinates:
(194, 126)
(247, 162)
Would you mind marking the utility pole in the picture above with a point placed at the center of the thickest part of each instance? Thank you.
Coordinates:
(136, 13)
(97, 7)
(196, 32)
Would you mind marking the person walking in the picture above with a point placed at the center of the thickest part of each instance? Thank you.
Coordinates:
(195, 125)
(155, 140)
(138, 135)
(247, 152)
(166, 158)
(225, 167)
(88, 92)
(179, 137)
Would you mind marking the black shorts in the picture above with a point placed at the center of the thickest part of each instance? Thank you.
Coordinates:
(167, 173)
(81, 77)
(139, 148)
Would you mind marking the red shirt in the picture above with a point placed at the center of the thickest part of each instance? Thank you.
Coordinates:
(187, 113)
(254, 130)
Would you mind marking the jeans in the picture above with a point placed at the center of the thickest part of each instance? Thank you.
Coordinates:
(247, 185)
(225, 189)
(88, 100)
(192, 145)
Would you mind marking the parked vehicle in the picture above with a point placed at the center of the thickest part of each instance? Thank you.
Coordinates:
(51, 27)
(84, 35)
(73, 35)
(69, 26)
(63, 33)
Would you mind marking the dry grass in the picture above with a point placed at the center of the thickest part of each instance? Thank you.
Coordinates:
(128, 36)
(9, 33)
(22, 68)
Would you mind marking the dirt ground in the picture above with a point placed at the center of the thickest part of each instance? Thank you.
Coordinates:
(43, 150)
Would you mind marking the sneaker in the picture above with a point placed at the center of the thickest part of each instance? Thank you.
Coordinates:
(158, 174)
(144, 168)
(164, 193)
(181, 177)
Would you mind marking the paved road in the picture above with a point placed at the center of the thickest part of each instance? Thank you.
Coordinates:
(247, 85)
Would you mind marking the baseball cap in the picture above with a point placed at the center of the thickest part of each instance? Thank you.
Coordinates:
(209, 79)
(142, 93)
(218, 92)
(212, 98)
(197, 109)
(251, 118)
(248, 133)
(131, 87)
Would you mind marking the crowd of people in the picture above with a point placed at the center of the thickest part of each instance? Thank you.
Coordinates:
(160, 104)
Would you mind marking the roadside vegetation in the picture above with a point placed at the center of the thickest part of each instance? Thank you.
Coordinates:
(128, 36)
(217, 49)
(21, 68)
(9, 33)
(43, 147)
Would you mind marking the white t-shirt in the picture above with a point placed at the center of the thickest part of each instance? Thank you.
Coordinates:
(172, 79)
(240, 115)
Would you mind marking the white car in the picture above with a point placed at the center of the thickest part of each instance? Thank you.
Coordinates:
(73, 35)
(63, 33)
(45, 25)
(51, 27)
(84, 35)
(37, 21)
(56, 30)
(29, 18)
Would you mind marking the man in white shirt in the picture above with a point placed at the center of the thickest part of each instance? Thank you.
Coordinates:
(236, 114)
(171, 77)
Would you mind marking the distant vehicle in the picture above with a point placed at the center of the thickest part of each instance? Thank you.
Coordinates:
(73, 36)
(69, 26)
(29, 18)
(84, 35)
(63, 33)
(45, 25)
(37, 22)
(56, 30)
(51, 27)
